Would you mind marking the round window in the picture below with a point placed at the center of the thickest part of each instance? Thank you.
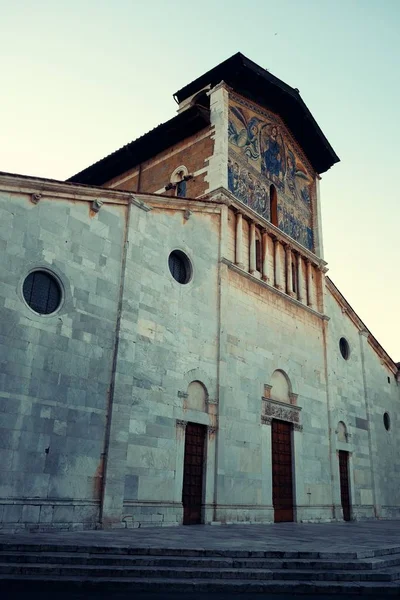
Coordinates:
(42, 292)
(386, 421)
(180, 267)
(344, 348)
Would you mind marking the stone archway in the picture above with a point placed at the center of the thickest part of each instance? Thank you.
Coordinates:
(281, 412)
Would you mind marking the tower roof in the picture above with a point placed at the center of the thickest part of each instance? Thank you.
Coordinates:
(245, 77)
(252, 81)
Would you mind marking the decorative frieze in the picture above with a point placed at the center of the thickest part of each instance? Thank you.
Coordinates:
(273, 409)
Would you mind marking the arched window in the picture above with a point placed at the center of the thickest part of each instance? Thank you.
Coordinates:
(341, 432)
(178, 181)
(273, 204)
(181, 184)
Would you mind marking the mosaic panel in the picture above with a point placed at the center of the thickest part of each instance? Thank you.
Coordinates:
(262, 153)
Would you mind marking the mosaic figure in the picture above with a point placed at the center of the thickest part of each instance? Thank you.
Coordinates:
(273, 164)
(261, 153)
(246, 137)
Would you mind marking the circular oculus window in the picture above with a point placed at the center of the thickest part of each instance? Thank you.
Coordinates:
(180, 266)
(42, 292)
(344, 348)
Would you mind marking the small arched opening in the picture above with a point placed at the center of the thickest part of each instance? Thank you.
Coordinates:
(273, 204)
(178, 181)
(341, 432)
(258, 251)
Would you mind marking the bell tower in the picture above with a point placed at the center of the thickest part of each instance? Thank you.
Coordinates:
(269, 151)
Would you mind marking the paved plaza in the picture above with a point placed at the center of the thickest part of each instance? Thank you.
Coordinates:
(354, 537)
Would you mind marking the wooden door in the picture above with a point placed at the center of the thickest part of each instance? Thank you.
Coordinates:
(192, 495)
(344, 483)
(282, 478)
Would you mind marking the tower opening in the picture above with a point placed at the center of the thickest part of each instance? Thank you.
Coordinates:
(273, 204)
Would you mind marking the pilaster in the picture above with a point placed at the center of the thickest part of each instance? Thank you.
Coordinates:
(217, 173)
(278, 265)
(265, 266)
(310, 291)
(239, 240)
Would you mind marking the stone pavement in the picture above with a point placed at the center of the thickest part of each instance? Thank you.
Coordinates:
(354, 537)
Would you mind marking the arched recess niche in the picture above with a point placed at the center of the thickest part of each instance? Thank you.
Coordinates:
(280, 402)
(197, 396)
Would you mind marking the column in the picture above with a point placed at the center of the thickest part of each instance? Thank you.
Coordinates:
(239, 240)
(310, 291)
(299, 279)
(265, 266)
(372, 447)
(289, 281)
(210, 474)
(252, 249)
(278, 265)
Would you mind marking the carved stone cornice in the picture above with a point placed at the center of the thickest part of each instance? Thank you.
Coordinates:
(181, 423)
(212, 429)
(37, 186)
(277, 289)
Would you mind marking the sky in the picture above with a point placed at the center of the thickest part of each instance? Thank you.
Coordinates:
(79, 79)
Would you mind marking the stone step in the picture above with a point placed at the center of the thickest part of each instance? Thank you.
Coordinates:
(230, 553)
(18, 584)
(92, 571)
(72, 558)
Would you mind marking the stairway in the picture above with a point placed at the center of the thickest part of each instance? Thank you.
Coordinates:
(182, 570)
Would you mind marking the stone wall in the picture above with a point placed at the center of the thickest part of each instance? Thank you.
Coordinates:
(168, 338)
(95, 398)
(262, 333)
(55, 370)
(360, 394)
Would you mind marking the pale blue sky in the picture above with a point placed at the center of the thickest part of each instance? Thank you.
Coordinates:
(82, 78)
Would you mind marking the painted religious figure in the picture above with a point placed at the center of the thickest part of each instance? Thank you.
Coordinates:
(246, 137)
(273, 157)
(260, 154)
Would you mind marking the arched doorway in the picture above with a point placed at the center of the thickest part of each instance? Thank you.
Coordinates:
(282, 454)
(343, 455)
(193, 464)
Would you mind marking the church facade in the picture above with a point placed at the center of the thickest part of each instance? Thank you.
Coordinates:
(172, 349)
